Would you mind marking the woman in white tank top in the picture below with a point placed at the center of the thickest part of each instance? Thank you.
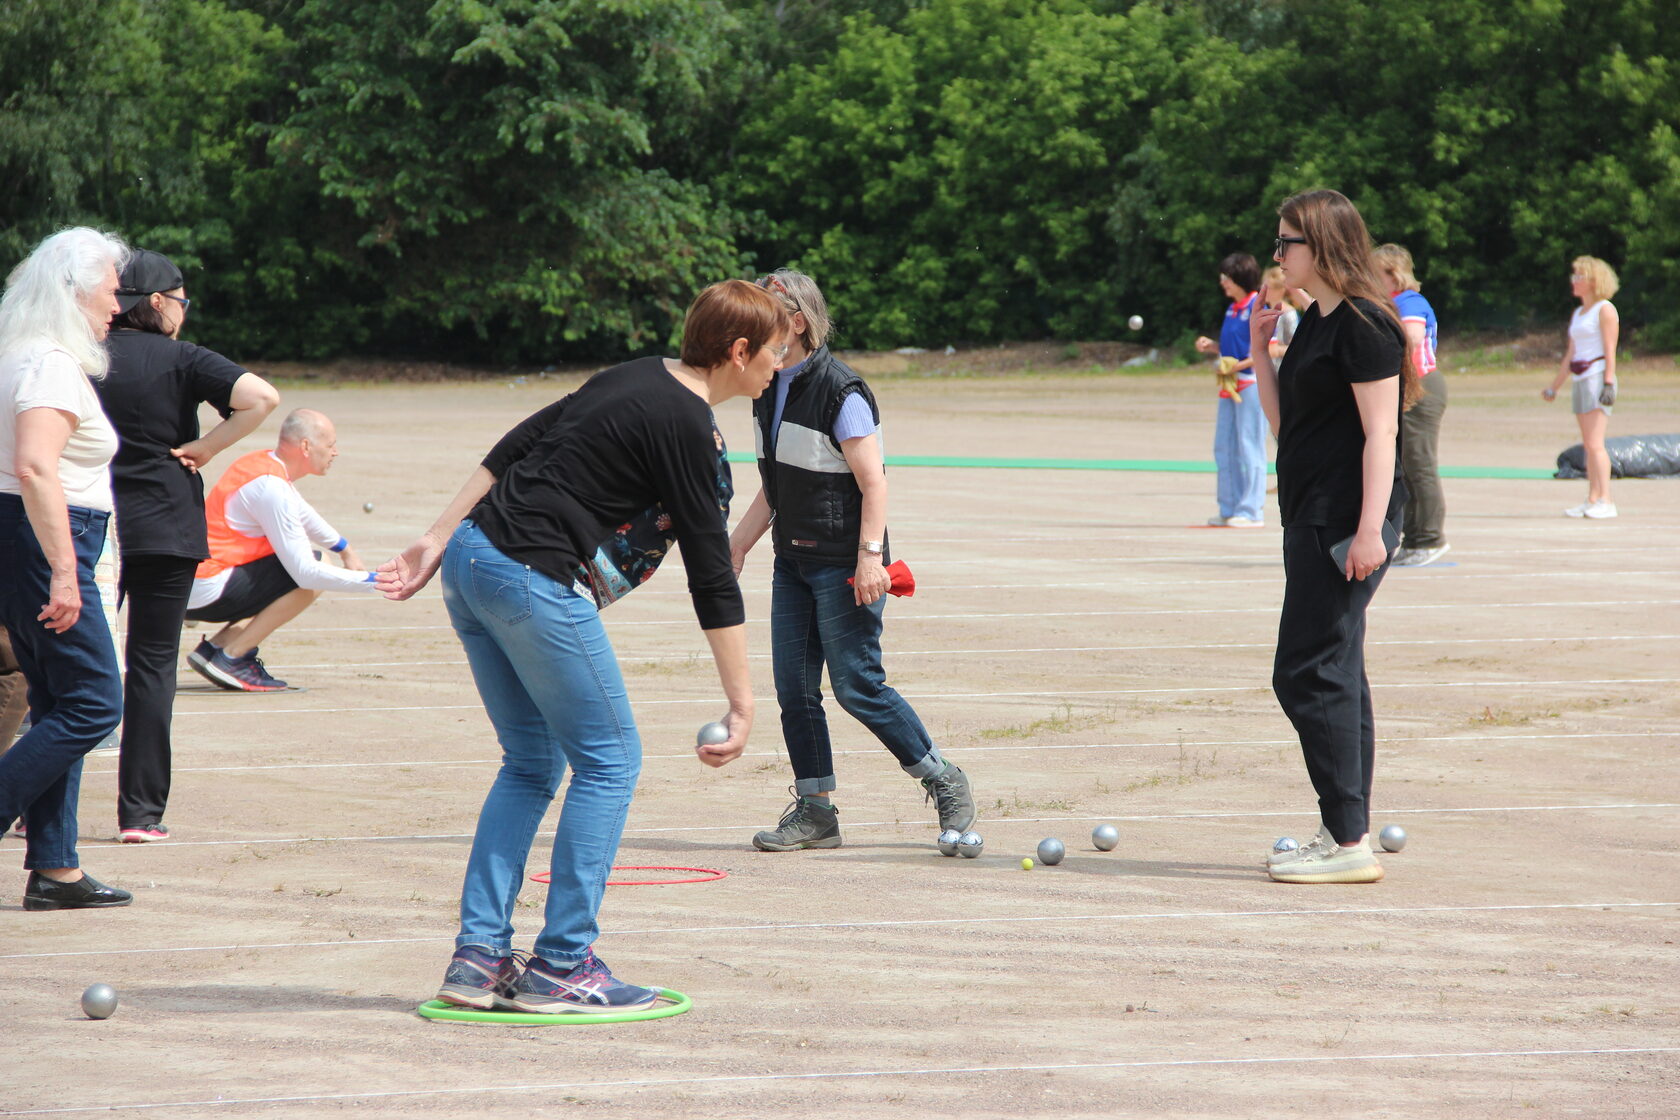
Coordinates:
(1589, 363)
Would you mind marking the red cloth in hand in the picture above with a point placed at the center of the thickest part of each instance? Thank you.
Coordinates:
(903, 583)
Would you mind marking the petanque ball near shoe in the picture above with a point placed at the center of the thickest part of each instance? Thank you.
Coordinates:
(948, 842)
(1105, 838)
(1286, 844)
(970, 845)
(1392, 838)
(99, 1001)
(1051, 851)
(711, 734)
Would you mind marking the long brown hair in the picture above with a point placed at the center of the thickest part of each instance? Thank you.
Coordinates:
(1341, 248)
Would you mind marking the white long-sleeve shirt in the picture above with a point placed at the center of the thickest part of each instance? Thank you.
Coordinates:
(269, 506)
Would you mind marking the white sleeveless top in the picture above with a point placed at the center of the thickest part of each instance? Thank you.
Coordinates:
(1587, 336)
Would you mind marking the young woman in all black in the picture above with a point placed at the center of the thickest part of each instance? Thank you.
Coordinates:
(1335, 408)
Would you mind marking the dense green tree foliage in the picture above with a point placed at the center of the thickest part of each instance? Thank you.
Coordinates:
(541, 179)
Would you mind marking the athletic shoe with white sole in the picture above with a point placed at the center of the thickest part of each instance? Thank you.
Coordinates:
(1577, 511)
(1217, 520)
(1418, 557)
(1319, 841)
(142, 833)
(201, 654)
(240, 674)
(588, 987)
(951, 796)
(1599, 510)
(1238, 521)
(1331, 864)
(479, 978)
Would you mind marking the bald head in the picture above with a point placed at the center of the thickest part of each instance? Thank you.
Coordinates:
(308, 442)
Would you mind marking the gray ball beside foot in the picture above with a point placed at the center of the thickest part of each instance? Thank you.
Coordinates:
(1392, 838)
(1105, 837)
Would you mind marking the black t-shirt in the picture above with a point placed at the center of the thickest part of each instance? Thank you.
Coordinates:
(1321, 441)
(152, 396)
(568, 476)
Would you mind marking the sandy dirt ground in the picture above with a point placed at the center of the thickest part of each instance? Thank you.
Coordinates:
(1088, 654)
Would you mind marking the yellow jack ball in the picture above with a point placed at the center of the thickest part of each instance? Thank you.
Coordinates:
(1026, 865)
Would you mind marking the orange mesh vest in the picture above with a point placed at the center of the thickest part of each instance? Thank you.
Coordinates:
(230, 548)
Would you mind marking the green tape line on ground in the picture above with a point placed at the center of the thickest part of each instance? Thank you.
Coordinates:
(1179, 466)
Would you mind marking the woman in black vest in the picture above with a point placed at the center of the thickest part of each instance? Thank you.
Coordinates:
(824, 500)
(152, 396)
(1335, 409)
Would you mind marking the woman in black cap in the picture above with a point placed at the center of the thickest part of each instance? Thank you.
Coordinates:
(152, 396)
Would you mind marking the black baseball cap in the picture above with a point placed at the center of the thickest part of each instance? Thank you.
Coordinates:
(147, 272)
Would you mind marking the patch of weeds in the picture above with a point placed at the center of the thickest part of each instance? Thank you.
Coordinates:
(1018, 804)
(1505, 717)
(1059, 723)
(325, 892)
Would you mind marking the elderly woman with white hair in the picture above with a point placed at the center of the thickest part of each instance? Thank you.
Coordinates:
(55, 500)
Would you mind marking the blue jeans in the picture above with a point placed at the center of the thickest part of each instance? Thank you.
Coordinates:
(552, 689)
(75, 688)
(1239, 451)
(813, 620)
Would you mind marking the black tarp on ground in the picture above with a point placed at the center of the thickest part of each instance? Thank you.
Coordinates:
(1630, 457)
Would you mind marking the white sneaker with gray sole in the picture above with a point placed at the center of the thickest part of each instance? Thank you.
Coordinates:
(1331, 864)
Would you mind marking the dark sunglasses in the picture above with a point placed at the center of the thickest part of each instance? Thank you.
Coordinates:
(1277, 246)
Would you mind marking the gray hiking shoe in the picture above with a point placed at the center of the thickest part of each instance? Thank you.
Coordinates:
(810, 822)
(949, 792)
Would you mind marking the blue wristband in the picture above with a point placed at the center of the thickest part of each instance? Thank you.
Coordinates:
(341, 545)
(371, 577)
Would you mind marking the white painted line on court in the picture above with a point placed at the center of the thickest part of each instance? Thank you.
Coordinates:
(713, 700)
(669, 1083)
(666, 830)
(702, 659)
(1481, 742)
(966, 920)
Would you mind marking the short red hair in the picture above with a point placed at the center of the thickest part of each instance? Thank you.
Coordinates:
(724, 312)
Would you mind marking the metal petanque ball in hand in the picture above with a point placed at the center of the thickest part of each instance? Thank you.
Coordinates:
(948, 842)
(1392, 838)
(1135, 322)
(970, 845)
(1051, 851)
(711, 734)
(1105, 837)
(99, 1001)
(1286, 844)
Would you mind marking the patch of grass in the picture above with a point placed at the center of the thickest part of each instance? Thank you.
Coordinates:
(1506, 717)
(1018, 804)
(1059, 723)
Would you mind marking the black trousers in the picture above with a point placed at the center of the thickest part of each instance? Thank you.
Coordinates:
(156, 588)
(1319, 676)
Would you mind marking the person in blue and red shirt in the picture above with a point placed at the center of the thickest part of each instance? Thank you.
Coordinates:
(1239, 434)
(1420, 427)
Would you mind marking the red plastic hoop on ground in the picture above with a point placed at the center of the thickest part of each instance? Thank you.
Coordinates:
(707, 874)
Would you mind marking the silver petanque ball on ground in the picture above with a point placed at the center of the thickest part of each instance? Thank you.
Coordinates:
(1135, 322)
(948, 842)
(1105, 837)
(1392, 838)
(1051, 851)
(711, 734)
(99, 1001)
(367, 507)
(970, 845)
(1286, 844)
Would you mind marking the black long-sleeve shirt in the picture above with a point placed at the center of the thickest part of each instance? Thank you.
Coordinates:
(569, 475)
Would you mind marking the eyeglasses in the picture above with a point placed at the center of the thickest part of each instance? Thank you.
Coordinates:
(780, 353)
(183, 301)
(1278, 246)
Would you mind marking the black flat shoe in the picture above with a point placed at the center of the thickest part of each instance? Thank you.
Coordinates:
(43, 893)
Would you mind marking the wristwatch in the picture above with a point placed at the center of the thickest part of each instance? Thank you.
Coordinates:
(871, 547)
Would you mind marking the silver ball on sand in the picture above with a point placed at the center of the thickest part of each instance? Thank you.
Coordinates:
(1051, 851)
(969, 845)
(1286, 844)
(1392, 838)
(1135, 322)
(1105, 837)
(99, 1001)
(367, 507)
(711, 734)
(948, 842)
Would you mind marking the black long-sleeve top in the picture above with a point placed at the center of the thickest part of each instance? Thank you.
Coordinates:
(569, 475)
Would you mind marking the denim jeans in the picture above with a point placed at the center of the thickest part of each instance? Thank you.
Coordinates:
(552, 689)
(1239, 451)
(813, 620)
(75, 688)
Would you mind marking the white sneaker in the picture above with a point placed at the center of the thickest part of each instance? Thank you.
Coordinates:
(1319, 841)
(1577, 511)
(1238, 521)
(1418, 557)
(1332, 864)
(1600, 510)
(1216, 520)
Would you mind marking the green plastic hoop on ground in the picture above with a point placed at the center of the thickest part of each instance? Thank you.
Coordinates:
(676, 1004)
(1174, 466)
